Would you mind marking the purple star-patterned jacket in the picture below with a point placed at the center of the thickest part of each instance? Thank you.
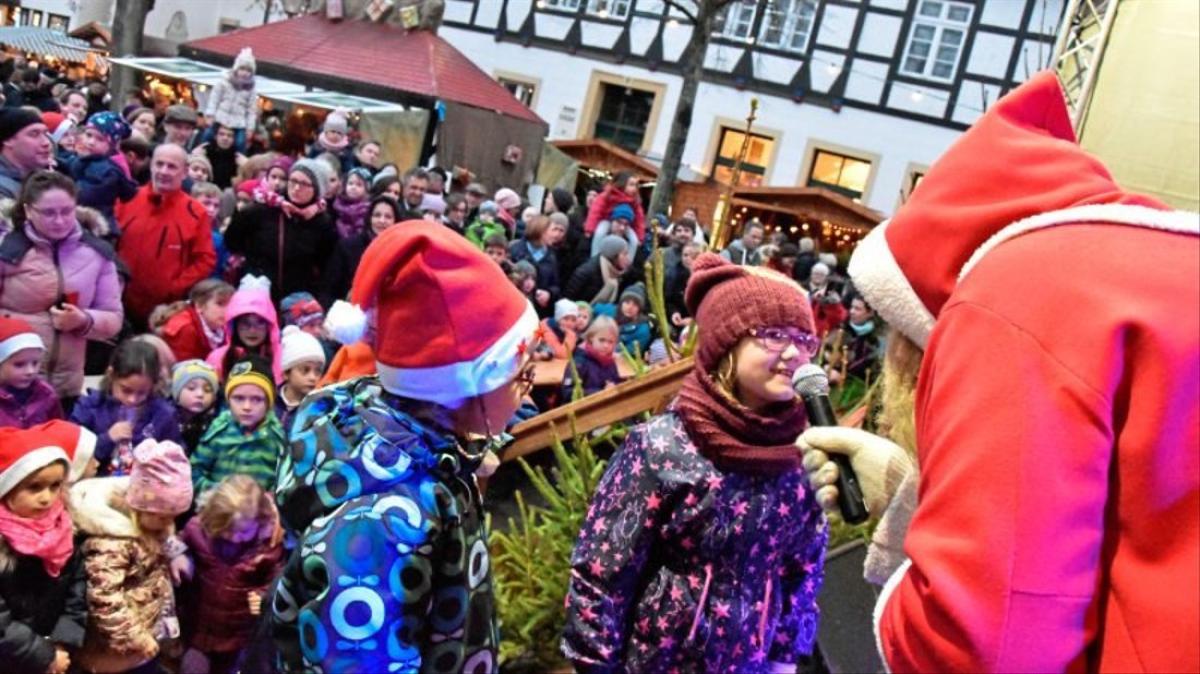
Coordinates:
(683, 568)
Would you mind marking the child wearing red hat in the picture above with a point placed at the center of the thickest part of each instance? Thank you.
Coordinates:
(703, 548)
(42, 583)
(387, 463)
(25, 398)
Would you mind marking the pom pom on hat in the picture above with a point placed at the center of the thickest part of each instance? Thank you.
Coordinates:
(337, 121)
(160, 480)
(252, 283)
(346, 322)
(17, 335)
(299, 347)
(245, 59)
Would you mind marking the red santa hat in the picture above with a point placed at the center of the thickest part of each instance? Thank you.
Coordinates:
(24, 452)
(1036, 176)
(17, 335)
(77, 441)
(448, 323)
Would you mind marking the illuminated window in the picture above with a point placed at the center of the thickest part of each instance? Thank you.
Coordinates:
(935, 42)
(787, 24)
(754, 166)
(737, 20)
(840, 173)
(610, 9)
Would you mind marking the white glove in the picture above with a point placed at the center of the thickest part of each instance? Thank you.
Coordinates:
(880, 464)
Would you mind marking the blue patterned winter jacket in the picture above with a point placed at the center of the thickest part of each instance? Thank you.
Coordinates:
(392, 572)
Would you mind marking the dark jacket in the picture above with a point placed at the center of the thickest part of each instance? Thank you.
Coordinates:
(192, 427)
(593, 374)
(803, 266)
(101, 183)
(40, 406)
(293, 258)
(37, 611)
(388, 509)
(547, 269)
(213, 607)
(98, 412)
(585, 282)
(339, 272)
(680, 566)
(10, 180)
(224, 164)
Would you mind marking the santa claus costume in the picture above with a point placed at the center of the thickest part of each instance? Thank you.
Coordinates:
(380, 481)
(1057, 411)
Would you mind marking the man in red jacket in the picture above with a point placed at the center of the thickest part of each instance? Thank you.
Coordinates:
(1057, 517)
(166, 238)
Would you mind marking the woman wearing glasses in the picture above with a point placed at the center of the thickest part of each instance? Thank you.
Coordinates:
(289, 243)
(703, 548)
(60, 277)
(393, 571)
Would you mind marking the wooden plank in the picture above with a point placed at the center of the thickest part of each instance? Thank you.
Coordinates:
(649, 392)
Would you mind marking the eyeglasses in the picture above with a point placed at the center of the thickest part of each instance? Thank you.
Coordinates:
(526, 377)
(777, 339)
(292, 182)
(63, 214)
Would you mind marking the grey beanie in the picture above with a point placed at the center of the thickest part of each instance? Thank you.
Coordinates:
(317, 171)
(611, 247)
(637, 293)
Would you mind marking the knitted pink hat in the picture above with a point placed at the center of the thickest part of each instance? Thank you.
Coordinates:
(161, 479)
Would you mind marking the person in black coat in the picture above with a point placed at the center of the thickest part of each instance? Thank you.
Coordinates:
(532, 248)
(38, 612)
(289, 244)
(599, 279)
(804, 261)
(339, 273)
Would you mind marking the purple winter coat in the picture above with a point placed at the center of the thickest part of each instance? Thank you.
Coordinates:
(42, 406)
(681, 567)
(351, 216)
(36, 274)
(593, 375)
(98, 412)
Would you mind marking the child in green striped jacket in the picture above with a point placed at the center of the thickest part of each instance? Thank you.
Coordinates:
(246, 438)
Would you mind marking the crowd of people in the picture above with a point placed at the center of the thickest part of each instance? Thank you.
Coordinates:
(233, 296)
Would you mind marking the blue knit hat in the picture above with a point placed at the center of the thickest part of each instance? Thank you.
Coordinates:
(621, 211)
(111, 125)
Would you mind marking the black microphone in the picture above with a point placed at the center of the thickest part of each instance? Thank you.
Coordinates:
(812, 386)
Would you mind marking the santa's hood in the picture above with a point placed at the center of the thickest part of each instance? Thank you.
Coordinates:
(98, 507)
(1018, 169)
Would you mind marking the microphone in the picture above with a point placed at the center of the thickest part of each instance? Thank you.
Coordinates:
(812, 386)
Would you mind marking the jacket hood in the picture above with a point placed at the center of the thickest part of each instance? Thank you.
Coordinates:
(95, 509)
(1018, 168)
(256, 301)
(346, 443)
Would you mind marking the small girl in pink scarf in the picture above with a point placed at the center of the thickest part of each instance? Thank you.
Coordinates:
(43, 588)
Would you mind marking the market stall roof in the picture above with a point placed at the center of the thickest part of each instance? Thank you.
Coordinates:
(811, 203)
(412, 65)
(47, 43)
(206, 75)
(605, 156)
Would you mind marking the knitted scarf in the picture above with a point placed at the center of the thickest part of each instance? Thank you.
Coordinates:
(48, 537)
(612, 280)
(733, 437)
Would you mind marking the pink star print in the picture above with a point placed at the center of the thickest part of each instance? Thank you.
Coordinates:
(740, 508)
(694, 582)
(643, 625)
(676, 593)
(587, 613)
(604, 547)
(599, 526)
(668, 465)
(714, 482)
(637, 465)
(662, 623)
(800, 491)
(721, 609)
(667, 643)
(691, 500)
(596, 567)
(653, 501)
(783, 509)
(687, 544)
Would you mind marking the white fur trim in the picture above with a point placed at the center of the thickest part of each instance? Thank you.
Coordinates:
(879, 278)
(85, 449)
(881, 603)
(448, 385)
(1180, 222)
(19, 342)
(30, 463)
(346, 322)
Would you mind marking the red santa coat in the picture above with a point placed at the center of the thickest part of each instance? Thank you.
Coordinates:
(1058, 408)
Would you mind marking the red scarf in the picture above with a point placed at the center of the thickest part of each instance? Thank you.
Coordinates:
(732, 436)
(47, 537)
(605, 360)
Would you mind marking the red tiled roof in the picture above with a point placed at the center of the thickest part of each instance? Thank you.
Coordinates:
(412, 61)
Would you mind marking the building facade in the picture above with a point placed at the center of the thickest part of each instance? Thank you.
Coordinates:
(858, 96)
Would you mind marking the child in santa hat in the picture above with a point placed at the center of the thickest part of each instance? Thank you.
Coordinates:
(246, 438)
(453, 341)
(26, 399)
(42, 583)
(303, 365)
(126, 522)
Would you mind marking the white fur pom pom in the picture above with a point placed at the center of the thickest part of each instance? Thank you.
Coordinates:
(346, 322)
(252, 282)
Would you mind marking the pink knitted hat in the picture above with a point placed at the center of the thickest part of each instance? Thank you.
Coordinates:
(161, 479)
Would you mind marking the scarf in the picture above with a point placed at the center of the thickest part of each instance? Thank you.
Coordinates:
(47, 537)
(215, 337)
(862, 329)
(612, 278)
(303, 212)
(607, 360)
(335, 148)
(733, 437)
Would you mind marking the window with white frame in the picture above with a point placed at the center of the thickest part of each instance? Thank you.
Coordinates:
(565, 5)
(787, 24)
(610, 9)
(935, 43)
(737, 20)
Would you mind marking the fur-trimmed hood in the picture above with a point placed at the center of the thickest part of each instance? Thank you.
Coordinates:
(89, 218)
(99, 509)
